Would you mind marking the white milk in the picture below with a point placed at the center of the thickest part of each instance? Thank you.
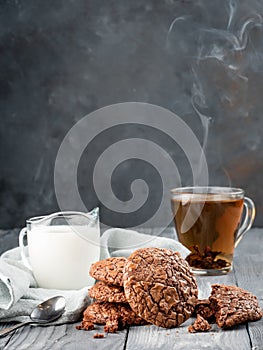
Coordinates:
(61, 258)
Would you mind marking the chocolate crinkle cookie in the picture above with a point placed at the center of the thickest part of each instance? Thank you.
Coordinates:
(233, 305)
(109, 270)
(114, 316)
(102, 291)
(159, 286)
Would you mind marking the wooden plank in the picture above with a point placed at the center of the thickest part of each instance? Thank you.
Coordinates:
(4, 341)
(248, 270)
(151, 337)
(64, 337)
(252, 243)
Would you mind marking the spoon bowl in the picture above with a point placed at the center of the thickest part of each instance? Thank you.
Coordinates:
(49, 310)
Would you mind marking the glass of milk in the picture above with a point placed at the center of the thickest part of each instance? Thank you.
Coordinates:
(61, 248)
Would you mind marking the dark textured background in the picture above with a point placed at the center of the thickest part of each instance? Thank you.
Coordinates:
(60, 60)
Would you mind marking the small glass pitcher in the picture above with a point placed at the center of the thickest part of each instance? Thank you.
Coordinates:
(61, 248)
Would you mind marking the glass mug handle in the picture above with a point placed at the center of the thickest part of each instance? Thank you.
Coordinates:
(25, 260)
(249, 206)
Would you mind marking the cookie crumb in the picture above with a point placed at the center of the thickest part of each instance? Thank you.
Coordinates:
(98, 335)
(199, 325)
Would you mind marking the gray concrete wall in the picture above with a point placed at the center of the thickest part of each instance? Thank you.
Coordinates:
(60, 60)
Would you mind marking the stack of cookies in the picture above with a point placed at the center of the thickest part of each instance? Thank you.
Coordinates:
(153, 285)
(111, 307)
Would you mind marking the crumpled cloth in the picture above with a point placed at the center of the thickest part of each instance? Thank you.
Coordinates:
(19, 293)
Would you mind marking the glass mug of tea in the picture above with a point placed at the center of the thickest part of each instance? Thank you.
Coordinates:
(61, 248)
(210, 222)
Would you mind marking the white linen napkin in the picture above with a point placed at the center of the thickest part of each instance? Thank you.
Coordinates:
(19, 293)
(122, 242)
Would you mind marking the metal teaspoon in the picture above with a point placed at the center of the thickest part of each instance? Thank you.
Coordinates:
(45, 312)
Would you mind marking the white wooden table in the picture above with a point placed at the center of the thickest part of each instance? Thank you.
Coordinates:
(247, 273)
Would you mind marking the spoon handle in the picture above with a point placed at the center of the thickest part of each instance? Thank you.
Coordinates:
(5, 331)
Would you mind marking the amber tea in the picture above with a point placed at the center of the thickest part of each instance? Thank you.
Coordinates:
(207, 222)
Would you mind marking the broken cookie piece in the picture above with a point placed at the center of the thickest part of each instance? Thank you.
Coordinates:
(233, 305)
(204, 309)
(115, 316)
(199, 325)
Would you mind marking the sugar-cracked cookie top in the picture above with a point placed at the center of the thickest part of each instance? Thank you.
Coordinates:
(159, 286)
(109, 270)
